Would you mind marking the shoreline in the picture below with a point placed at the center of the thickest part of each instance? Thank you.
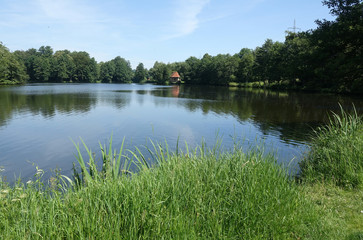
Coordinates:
(198, 193)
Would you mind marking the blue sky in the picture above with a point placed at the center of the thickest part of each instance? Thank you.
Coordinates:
(149, 31)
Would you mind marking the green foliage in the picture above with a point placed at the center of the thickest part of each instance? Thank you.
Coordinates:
(244, 72)
(45, 51)
(40, 64)
(140, 73)
(27, 58)
(123, 72)
(191, 70)
(160, 73)
(268, 63)
(210, 70)
(342, 208)
(41, 69)
(62, 67)
(338, 48)
(117, 70)
(11, 70)
(85, 67)
(107, 70)
(111, 165)
(297, 52)
(328, 58)
(199, 194)
(342, 8)
(336, 153)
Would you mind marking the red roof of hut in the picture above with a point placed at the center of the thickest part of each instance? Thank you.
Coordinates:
(175, 75)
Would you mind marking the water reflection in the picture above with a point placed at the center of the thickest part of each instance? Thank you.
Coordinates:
(175, 90)
(293, 115)
(37, 121)
(290, 114)
(116, 99)
(46, 105)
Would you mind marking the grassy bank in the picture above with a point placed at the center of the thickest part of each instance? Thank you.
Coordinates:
(204, 194)
(278, 85)
(332, 173)
(284, 85)
(336, 155)
(199, 194)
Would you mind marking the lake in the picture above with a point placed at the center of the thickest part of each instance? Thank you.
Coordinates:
(39, 121)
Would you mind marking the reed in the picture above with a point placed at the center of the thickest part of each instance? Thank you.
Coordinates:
(336, 154)
(197, 194)
(111, 165)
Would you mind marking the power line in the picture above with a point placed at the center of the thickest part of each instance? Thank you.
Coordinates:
(294, 28)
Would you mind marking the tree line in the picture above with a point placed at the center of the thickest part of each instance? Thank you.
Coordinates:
(328, 57)
(45, 65)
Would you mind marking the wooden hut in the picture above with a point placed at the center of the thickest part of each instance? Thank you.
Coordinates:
(175, 77)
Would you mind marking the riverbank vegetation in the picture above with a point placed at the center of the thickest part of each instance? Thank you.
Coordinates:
(328, 58)
(331, 174)
(198, 194)
(195, 195)
(336, 155)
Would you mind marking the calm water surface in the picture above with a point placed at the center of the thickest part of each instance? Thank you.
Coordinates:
(37, 122)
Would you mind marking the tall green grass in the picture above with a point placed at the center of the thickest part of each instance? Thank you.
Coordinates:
(196, 194)
(336, 154)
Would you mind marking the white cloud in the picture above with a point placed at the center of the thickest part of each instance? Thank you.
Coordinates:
(185, 17)
(65, 10)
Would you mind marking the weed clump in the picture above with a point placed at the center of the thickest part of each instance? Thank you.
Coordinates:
(197, 194)
(336, 154)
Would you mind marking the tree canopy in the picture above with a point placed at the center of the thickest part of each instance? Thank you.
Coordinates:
(140, 73)
(329, 57)
(43, 65)
(11, 70)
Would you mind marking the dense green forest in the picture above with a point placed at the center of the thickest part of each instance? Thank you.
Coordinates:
(329, 57)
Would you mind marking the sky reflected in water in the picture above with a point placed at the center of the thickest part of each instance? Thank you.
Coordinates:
(38, 121)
